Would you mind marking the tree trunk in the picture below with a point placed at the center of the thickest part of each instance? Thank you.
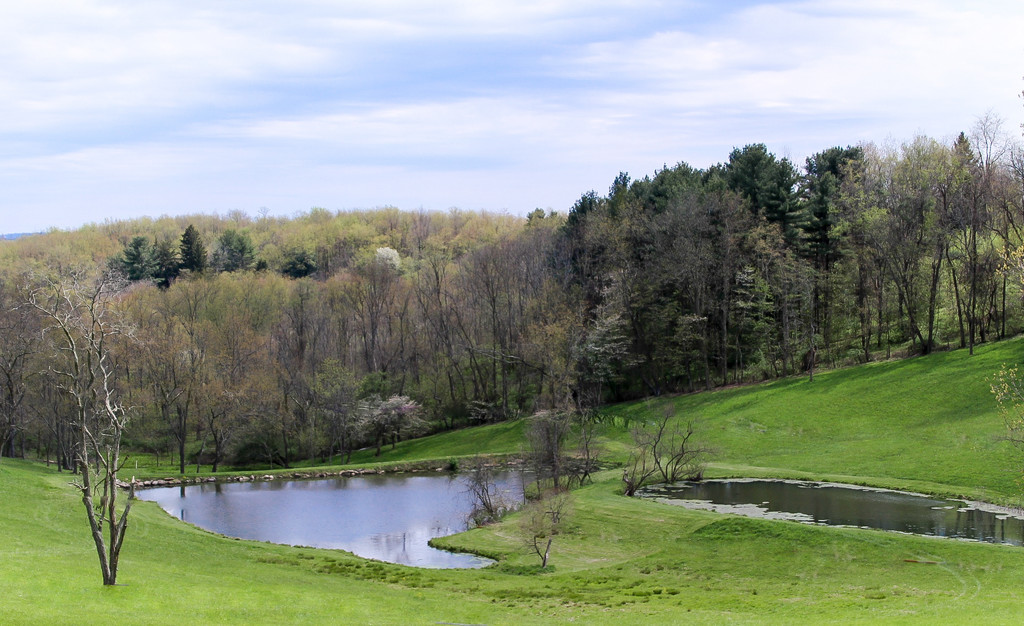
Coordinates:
(933, 296)
(959, 300)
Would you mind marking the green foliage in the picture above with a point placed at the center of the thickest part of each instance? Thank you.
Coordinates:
(192, 251)
(684, 280)
(826, 172)
(166, 262)
(234, 252)
(137, 260)
(622, 561)
(927, 424)
(298, 264)
(1008, 389)
(768, 184)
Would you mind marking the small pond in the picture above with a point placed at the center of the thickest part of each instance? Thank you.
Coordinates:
(846, 505)
(389, 517)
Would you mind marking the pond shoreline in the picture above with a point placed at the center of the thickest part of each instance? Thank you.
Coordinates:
(981, 505)
(387, 516)
(510, 462)
(831, 503)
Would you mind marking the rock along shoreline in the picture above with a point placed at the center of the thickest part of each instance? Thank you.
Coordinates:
(431, 466)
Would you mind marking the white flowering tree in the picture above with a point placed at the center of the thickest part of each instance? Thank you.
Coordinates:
(389, 256)
(387, 420)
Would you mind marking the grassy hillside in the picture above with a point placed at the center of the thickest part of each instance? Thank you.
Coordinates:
(929, 419)
(928, 423)
(622, 561)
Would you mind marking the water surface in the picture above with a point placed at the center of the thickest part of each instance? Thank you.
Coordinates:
(387, 517)
(847, 505)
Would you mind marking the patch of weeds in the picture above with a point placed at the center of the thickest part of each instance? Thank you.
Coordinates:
(372, 571)
(277, 560)
(522, 570)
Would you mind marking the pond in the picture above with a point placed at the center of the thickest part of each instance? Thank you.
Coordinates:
(388, 517)
(847, 505)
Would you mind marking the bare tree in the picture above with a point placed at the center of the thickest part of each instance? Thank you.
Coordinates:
(489, 504)
(543, 519)
(638, 470)
(83, 326)
(681, 457)
(666, 449)
(546, 436)
(19, 345)
(588, 449)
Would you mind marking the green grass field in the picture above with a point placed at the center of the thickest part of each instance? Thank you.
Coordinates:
(928, 424)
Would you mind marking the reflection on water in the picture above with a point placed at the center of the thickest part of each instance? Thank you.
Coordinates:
(846, 505)
(386, 517)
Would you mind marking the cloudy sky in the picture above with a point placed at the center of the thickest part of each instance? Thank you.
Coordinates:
(115, 109)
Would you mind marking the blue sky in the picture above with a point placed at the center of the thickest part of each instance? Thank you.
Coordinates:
(116, 109)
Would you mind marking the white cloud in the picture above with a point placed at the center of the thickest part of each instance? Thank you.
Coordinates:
(95, 63)
(181, 106)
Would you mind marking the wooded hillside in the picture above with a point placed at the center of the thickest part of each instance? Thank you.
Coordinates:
(263, 340)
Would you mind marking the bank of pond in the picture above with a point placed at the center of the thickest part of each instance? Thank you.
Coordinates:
(835, 504)
(393, 517)
(388, 517)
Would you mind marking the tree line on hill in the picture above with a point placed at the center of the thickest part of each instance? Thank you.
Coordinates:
(264, 340)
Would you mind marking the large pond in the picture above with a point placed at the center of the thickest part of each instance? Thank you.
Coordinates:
(388, 517)
(847, 505)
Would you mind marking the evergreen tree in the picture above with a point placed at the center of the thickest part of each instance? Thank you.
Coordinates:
(136, 260)
(193, 251)
(821, 187)
(768, 184)
(234, 251)
(298, 264)
(166, 263)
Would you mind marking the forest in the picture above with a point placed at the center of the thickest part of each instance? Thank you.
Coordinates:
(241, 340)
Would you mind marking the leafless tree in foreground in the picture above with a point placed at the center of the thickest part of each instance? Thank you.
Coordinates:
(542, 519)
(82, 327)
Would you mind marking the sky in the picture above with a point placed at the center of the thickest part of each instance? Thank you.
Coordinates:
(119, 109)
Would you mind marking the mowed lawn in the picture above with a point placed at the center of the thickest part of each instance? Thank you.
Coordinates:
(926, 423)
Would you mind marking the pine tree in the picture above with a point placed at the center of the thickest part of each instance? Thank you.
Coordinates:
(136, 260)
(165, 261)
(193, 251)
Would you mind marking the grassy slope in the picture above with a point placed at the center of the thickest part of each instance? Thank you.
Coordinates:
(928, 423)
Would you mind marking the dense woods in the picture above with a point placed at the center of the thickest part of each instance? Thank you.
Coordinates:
(266, 340)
